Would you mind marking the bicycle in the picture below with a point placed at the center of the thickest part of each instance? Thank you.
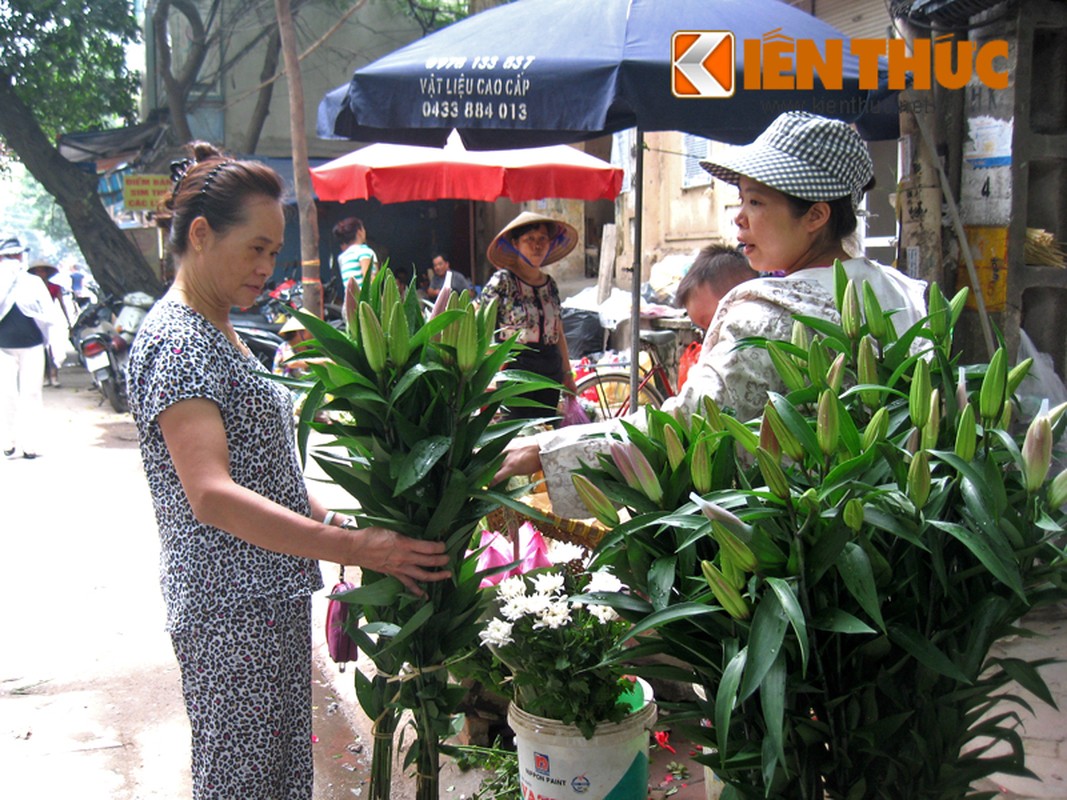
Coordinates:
(605, 392)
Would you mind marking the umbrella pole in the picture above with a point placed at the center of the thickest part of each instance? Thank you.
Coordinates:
(635, 283)
(470, 238)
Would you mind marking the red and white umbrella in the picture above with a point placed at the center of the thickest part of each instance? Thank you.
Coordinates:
(397, 173)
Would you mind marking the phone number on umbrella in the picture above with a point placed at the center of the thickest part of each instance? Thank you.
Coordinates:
(473, 109)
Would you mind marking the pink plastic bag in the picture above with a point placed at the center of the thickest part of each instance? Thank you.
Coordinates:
(573, 413)
(533, 553)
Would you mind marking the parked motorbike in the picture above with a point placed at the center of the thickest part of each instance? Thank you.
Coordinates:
(261, 340)
(102, 335)
(259, 324)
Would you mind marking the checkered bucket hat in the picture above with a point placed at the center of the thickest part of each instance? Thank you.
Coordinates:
(804, 155)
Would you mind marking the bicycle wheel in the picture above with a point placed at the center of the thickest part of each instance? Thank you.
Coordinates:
(606, 395)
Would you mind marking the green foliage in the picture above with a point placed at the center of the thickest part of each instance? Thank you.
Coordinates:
(502, 782)
(860, 551)
(29, 209)
(67, 61)
(414, 444)
(432, 15)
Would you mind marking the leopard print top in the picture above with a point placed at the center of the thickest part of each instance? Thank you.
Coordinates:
(179, 355)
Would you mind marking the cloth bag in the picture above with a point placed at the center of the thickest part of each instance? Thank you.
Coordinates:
(342, 647)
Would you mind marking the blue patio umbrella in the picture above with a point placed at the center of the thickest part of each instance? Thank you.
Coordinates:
(539, 72)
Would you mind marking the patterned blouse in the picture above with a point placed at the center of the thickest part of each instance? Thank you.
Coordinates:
(533, 311)
(179, 355)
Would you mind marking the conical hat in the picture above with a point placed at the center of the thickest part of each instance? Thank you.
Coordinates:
(502, 252)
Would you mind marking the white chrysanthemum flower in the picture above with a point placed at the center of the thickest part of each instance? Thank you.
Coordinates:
(548, 583)
(535, 604)
(605, 614)
(555, 615)
(514, 609)
(603, 581)
(497, 632)
(510, 588)
(564, 552)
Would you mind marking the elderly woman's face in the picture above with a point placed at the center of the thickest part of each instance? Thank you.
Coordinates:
(239, 262)
(770, 233)
(534, 244)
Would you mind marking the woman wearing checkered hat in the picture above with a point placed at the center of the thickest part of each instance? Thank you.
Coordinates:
(800, 182)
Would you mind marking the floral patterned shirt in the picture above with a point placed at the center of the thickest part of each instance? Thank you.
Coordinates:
(179, 355)
(532, 311)
(739, 379)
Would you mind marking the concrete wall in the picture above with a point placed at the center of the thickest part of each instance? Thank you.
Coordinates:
(676, 218)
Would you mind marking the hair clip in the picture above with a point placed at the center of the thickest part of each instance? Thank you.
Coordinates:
(210, 177)
(178, 169)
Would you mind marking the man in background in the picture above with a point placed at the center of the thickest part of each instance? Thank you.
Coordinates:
(442, 276)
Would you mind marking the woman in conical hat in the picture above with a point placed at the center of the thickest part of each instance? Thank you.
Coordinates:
(528, 301)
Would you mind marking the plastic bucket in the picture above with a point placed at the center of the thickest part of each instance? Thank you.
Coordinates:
(556, 762)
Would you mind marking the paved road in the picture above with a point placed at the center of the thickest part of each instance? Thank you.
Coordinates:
(90, 697)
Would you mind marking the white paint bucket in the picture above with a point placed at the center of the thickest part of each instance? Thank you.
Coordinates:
(556, 762)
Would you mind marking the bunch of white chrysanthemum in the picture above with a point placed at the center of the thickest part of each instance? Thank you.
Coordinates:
(557, 644)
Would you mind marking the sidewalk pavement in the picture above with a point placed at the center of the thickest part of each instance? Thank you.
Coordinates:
(90, 698)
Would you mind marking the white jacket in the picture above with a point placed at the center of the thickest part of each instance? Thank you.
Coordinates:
(28, 292)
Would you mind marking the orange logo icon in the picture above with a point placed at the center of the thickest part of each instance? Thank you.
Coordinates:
(702, 64)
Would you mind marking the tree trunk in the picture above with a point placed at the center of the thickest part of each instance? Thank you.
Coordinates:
(177, 86)
(311, 275)
(271, 57)
(116, 263)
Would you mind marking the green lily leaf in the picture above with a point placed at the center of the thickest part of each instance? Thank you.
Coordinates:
(307, 415)
(382, 592)
(413, 376)
(894, 522)
(772, 701)
(493, 363)
(855, 570)
(660, 581)
(384, 629)
(835, 337)
(726, 698)
(1024, 674)
(835, 620)
(766, 635)
(409, 629)
(843, 473)
(993, 554)
(420, 461)
(926, 652)
(795, 614)
(678, 611)
(425, 334)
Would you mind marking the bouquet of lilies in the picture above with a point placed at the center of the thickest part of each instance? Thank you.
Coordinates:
(415, 442)
(836, 573)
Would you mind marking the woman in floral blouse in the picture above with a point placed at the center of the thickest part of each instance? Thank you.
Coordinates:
(528, 301)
